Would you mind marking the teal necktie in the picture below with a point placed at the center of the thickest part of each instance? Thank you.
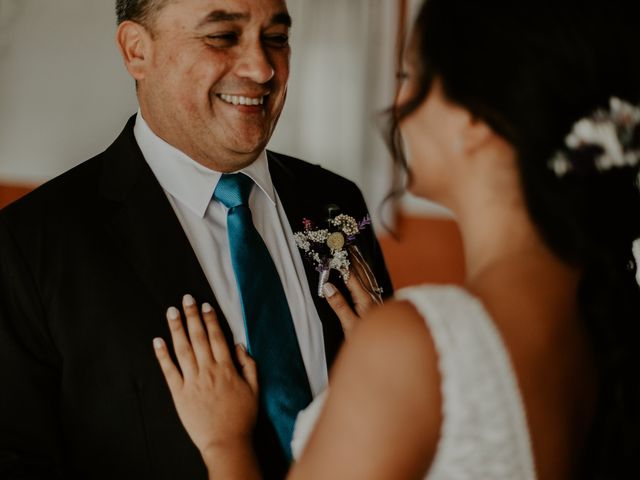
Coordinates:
(272, 341)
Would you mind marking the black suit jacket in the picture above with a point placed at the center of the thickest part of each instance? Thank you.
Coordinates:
(89, 263)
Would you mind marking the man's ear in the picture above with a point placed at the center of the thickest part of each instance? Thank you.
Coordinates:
(135, 45)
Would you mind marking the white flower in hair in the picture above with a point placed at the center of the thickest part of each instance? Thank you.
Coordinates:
(560, 165)
(625, 112)
(602, 141)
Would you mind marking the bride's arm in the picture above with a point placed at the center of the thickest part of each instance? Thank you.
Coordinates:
(383, 413)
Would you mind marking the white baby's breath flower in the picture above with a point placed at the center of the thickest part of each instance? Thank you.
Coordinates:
(319, 236)
(347, 224)
(301, 241)
(340, 261)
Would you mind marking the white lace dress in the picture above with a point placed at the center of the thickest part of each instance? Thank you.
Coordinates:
(484, 431)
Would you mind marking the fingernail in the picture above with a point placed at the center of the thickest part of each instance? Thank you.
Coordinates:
(206, 308)
(242, 347)
(188, 301)
(173, 313)
(329, 290)
(158, 343)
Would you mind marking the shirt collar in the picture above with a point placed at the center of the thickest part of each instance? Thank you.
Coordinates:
(186, 180)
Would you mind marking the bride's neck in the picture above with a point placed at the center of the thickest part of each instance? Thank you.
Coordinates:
(497, 231)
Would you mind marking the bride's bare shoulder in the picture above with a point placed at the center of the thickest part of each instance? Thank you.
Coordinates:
(394, 334)
(396, 319)
(384, 390)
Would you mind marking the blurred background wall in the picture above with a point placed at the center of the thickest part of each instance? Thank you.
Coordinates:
(65, 96)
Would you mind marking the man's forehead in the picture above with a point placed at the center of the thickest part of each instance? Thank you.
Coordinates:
(217, 16)
(220, 10)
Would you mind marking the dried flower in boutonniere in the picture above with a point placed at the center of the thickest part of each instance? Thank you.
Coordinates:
(327, 247)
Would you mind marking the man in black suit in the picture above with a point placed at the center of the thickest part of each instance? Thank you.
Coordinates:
(90, 261)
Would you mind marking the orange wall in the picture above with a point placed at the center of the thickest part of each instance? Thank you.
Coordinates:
(11, 192)
(429, 250)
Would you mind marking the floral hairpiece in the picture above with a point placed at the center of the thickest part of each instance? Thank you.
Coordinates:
(605, 140)
(326, 248)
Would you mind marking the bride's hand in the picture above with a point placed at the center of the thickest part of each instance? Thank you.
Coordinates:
(217, 405)
(364, 290)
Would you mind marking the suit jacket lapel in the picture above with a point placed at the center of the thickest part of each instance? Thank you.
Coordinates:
(146, 229)
(298, 206)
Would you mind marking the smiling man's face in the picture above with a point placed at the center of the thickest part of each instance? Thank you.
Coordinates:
(215, 77)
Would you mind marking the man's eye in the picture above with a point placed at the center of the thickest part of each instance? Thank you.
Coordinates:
(277, 40)
(223, 39)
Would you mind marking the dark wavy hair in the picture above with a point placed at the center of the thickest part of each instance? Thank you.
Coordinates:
(530, 70)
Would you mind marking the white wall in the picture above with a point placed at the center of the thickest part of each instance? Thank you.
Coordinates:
(343, 77)
(64, 94)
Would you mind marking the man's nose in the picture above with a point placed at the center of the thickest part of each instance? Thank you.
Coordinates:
(255, 65)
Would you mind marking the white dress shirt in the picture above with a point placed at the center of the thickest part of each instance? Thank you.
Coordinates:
(189, 187)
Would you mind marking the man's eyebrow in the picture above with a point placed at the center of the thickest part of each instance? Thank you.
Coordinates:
(218, 16)
(223, 16)
(282, 18)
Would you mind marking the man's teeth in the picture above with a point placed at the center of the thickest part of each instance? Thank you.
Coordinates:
(239, 100)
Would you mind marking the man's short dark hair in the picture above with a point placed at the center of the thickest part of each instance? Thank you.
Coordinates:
(139, 11)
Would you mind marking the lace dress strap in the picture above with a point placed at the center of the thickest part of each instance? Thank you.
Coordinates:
(484, 432)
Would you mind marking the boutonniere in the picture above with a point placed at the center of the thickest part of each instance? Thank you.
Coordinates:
(326, 248)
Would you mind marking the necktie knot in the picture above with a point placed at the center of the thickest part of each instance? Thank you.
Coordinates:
(233, 190)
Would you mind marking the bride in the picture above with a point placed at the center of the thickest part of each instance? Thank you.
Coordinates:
(520, 118)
